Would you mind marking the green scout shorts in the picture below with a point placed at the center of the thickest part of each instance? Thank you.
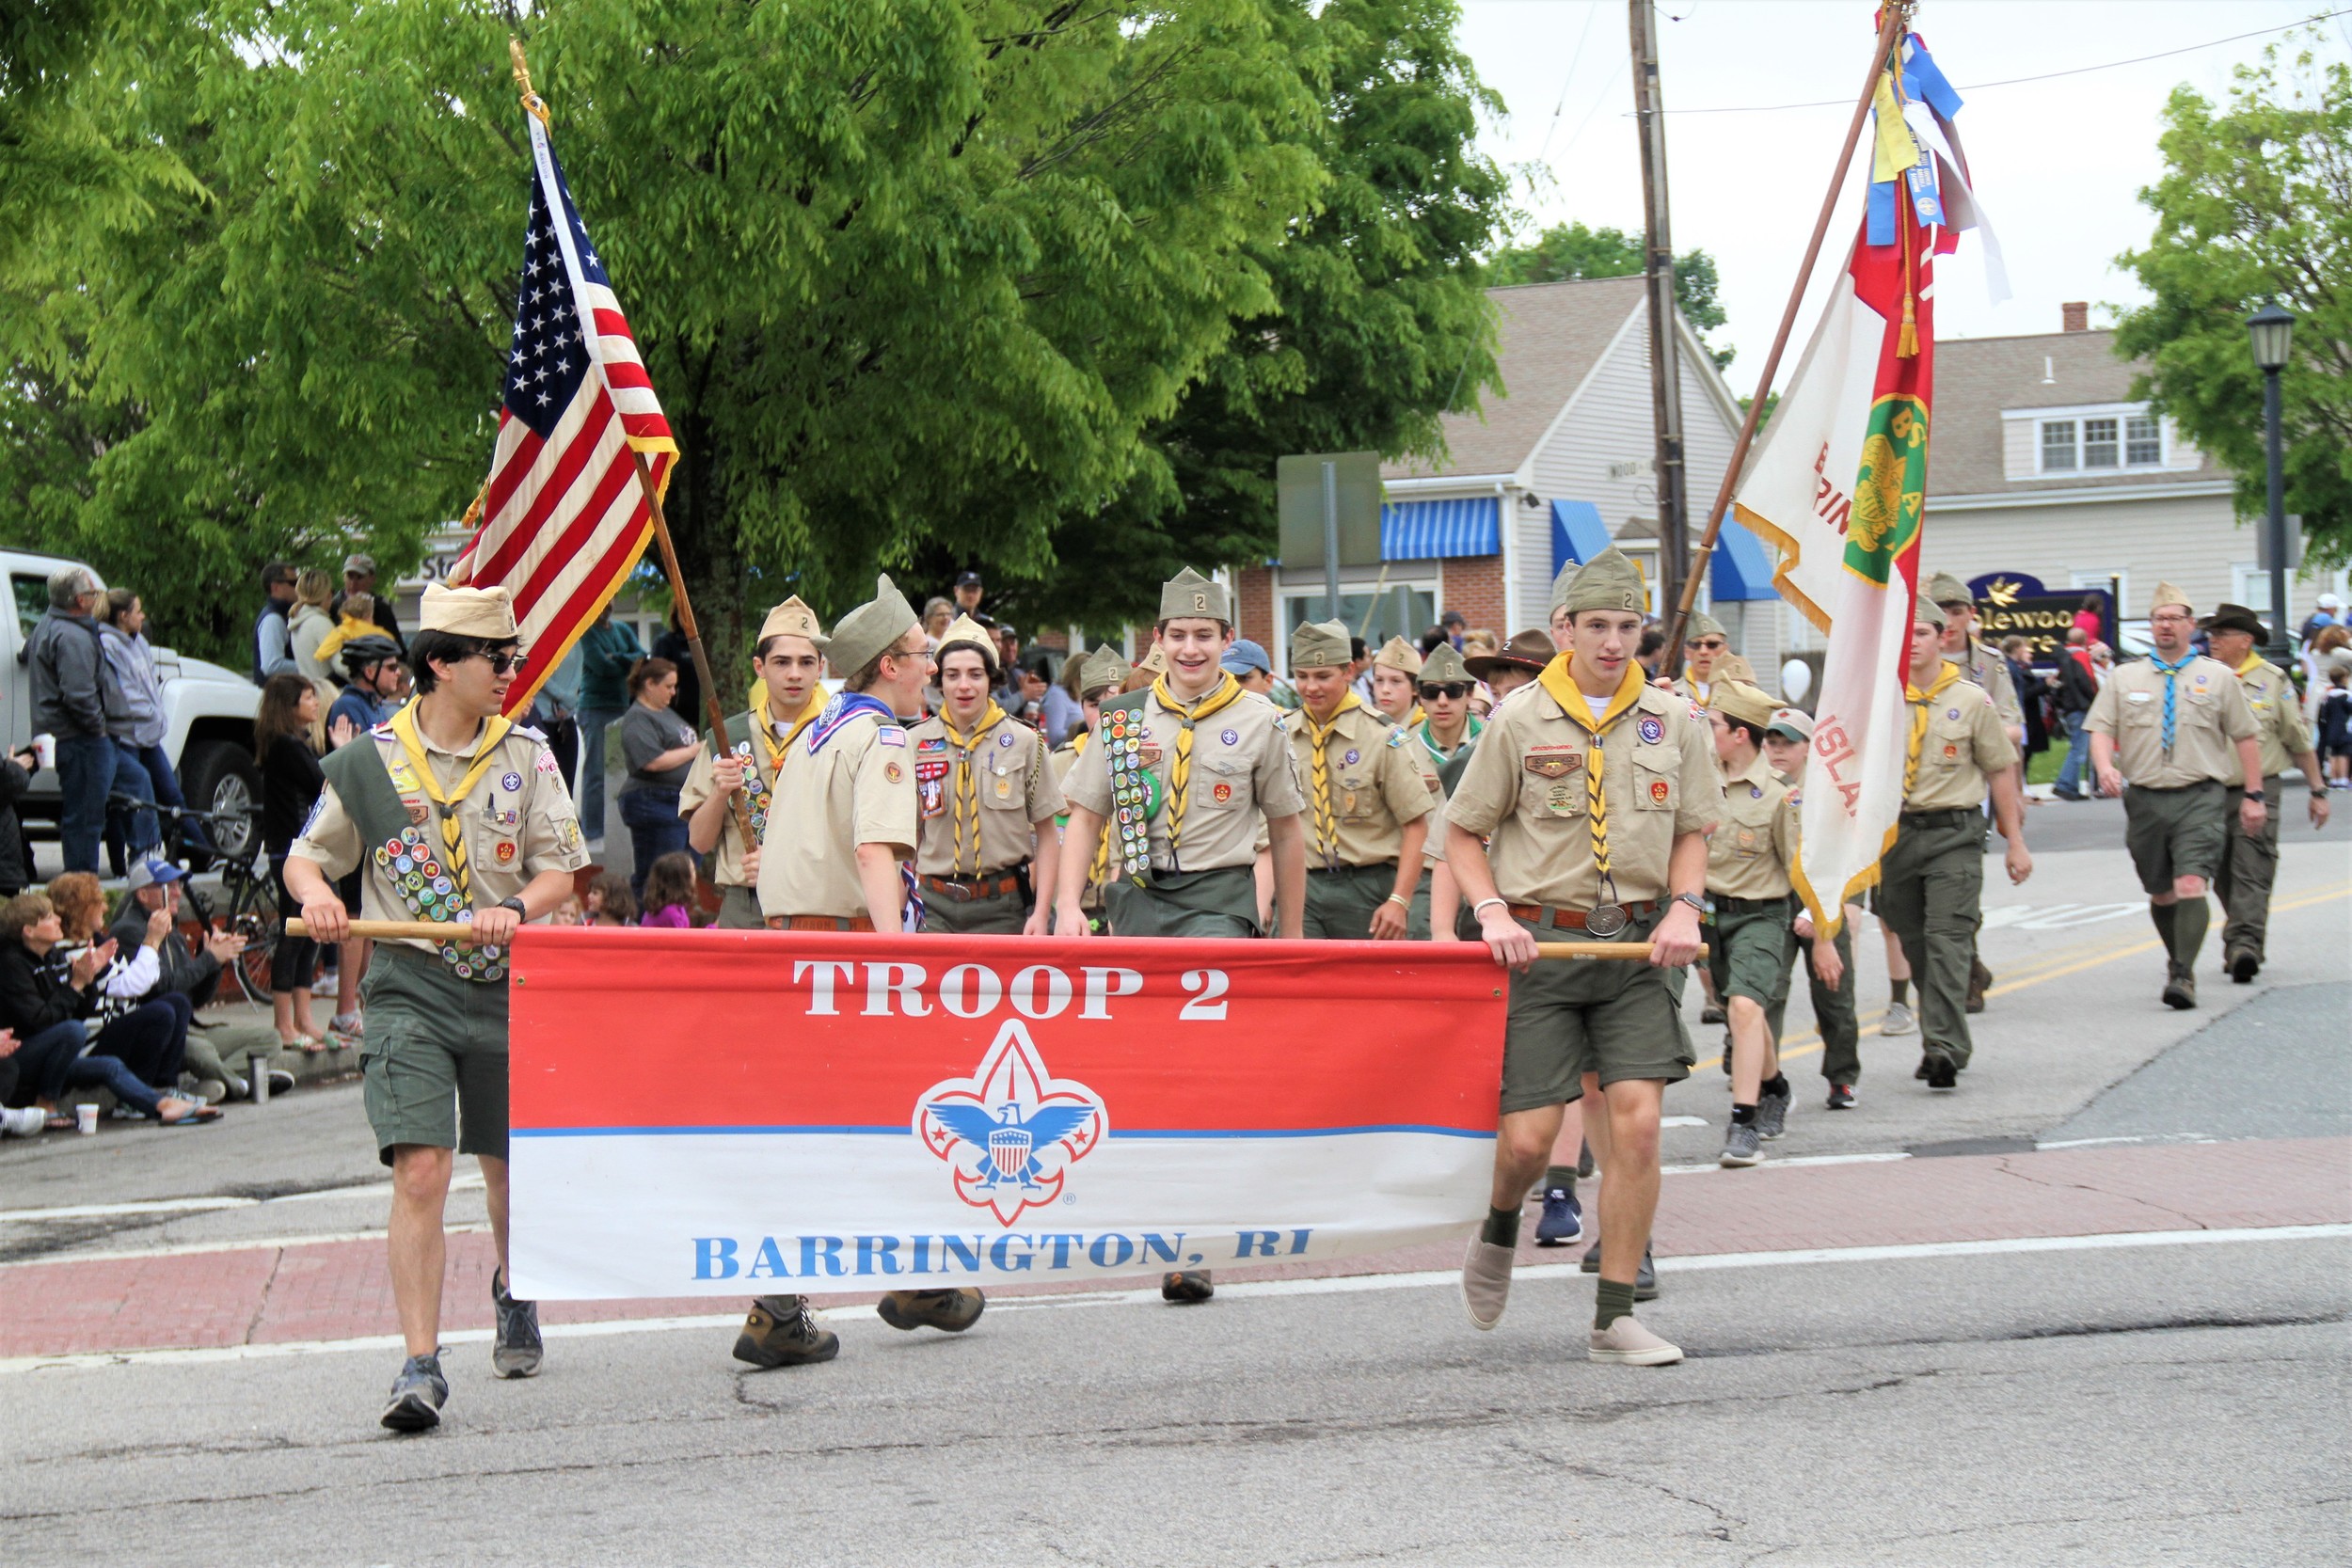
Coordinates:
(1341, 904)
(1000, 914)
(436, 1055)
(739, 910)
(2176, 833)
(1616, 1018)
(1748, 944)
(1219, 903)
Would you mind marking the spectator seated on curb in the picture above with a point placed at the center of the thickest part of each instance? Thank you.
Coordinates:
(53, 1006)
(16, 1121)
(149, 1039)
(609, 902)
(216, 1064)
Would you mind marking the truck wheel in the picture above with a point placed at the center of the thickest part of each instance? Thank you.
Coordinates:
(219, 777)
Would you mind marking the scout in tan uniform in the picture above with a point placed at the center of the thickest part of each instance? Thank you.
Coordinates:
(845, 801)
(2171, 724)
(1829, 966)
(1447, 735)
(1931, 887)
(2249, 862)
(1986, 668)
(987, 802)
(1367, 807)
(789, 660)
(1101, 675)
(459, 815)
(1705, 644)
(1749, 859)
(1522, 659)
(1597, 789)
(1396, 676)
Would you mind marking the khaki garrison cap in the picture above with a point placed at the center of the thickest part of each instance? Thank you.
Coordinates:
(1703, 625)
(484, 613)
(1153, 663)
(1443, 664)
(1397, 654)
(1188, 596)
(1731, 667)
(2169, 594)
(1319, 645)
(968, 633)
(1608, 582)
(1944, 587)
(793, 619)
(1105, 670)
(1927, 612)
(1743, 702)
(867, 632)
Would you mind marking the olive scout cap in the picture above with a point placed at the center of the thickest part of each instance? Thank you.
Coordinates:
(1741, 701)
(2168, 594)
(484, 613)
(1608, 582)
(968, 633)
(1152, 663)
(1734, 668)
(1188, 596)
(1443, 664)
(867, 632)
(1105, 670)
(1703, 625)
(1397, 654)
(1319, 645)
(1925, 612)
(1944, 587)
(793, 619)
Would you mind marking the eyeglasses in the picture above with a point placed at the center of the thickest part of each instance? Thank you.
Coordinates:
(1450, 690)
(1711, 645)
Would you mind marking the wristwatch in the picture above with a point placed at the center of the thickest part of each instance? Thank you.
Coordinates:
(1696, 903)
(2256, 795)
(517, 904)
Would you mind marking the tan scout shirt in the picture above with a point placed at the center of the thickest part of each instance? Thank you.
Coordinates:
(1377, 786)
(2278, 718)
(1965, 745)
(702, 782)
(1526, 787)
(1987, 668)
(2210, 715)
(1756, 843)
(1011, 780)
(1241, 769)
(860, 789)
(519, 821)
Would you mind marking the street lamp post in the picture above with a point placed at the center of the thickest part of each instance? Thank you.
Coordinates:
(2271, 329)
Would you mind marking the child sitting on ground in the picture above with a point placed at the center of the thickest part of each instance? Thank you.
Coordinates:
(670, 892)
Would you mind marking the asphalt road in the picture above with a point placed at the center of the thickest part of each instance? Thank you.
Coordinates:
(2175, 1396)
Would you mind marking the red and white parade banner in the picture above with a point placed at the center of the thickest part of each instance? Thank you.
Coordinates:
(723, 1113)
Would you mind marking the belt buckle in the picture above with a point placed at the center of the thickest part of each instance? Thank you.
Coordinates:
(1606, 920)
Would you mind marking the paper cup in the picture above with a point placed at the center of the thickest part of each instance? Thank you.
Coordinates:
(86, 1120)
(45, 748)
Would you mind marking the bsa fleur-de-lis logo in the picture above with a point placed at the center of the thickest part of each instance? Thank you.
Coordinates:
(1012, 1131)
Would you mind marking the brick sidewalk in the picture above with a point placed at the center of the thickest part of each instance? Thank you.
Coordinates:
(341, 1290)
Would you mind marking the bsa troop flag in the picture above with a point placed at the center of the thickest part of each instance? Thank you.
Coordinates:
(1839, 483)
(564, 517)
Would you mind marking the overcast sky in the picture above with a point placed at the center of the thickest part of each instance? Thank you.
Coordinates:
(2059, 163)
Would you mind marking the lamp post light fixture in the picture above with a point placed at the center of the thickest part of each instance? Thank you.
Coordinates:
(2271, 330)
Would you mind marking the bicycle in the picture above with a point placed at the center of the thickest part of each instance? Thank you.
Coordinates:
(249, 899)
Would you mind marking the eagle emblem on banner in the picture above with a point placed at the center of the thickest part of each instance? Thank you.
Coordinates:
(1012, 1131)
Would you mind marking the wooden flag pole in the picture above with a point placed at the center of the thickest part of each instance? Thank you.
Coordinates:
(1897, 17)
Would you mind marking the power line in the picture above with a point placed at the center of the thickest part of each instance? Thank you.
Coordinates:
(1574, 60)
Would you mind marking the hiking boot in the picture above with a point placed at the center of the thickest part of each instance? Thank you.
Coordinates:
(1186, 1285)
(1943, 1073)
(951, 1311)
(519, 1350)
(2180, 991)
(1771, 1113)
(417, 1394)
(1900, 1020)
(1742, 1146)
(1562, 1221)
(1627, 1343)
(780, 1331)
(1841, 1097)
(1485, 1282)
(1978, 978)
(2245, 963)
(1926, 1069)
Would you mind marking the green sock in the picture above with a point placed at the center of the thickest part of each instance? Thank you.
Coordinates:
(2189, 919)
(1899, 991)
(1560, 1178)
(1503, 1228)
(2165, 917)
(1610, 1302)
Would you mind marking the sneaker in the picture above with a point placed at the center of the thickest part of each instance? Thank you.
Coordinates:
(280, 1081)
(2244, 965)
(1841, 1097)
(1900, 1020)
(1183, 1286)
(1644, 1278)
(26, 1123)
(1742, 1146)
(780, 1331)
(1486, 1282)
(2180, 992)
(1591, 1263)
(1771, 1114)
(417, 1394)
(1943, 1073)
(518, 1349)
(2065, 794)
(1562, 1221)
(212, 1091)
(1583, 1160)
(1979, 977)
(1627, 1343)
(952, 1311)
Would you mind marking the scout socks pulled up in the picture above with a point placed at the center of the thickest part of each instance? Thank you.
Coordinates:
(1611, 1301)
(1899, 991)
(1503, 1228)
(2183, 928)
(1560, 1178)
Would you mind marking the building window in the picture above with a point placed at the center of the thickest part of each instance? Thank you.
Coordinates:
(2143, 442)
(2058, 446)
(2099, 444)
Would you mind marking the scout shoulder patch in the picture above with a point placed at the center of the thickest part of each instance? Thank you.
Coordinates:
(1396, 736)
(890, 734)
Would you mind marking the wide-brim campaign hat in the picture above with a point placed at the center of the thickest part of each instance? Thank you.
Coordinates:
(1529, 650)
(2235, 617)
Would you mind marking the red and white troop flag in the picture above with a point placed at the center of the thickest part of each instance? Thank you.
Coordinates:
(564, 517)
(1840, 481)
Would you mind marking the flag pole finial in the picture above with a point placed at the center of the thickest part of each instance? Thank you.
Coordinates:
(533, 104)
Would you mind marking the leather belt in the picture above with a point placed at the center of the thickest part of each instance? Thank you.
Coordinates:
(964, 889)
(1943, 814)
(1572, 920)
(1730, 905)
(820, 922)
(1389, 866)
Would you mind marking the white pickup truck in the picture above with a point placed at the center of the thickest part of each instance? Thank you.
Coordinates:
(210, 709)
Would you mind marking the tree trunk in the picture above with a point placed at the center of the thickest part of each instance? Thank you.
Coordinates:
(710, 559)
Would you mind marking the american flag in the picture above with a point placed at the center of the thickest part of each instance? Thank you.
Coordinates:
(565, 519)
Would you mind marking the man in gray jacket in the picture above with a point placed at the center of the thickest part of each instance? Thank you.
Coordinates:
(75, 698)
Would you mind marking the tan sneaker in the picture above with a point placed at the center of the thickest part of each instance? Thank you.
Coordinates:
(1627, 1343)
(1486, 1282)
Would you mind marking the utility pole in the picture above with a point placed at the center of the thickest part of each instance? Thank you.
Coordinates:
(1665, 379)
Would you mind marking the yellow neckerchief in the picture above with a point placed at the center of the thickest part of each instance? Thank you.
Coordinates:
(2253, 661)
(1691, 679)
(1559, 679)
(1318, 735)
(1920, 702)
(452, 834)
(967, 792)
(763, 719)
(1219, 698)
(1101, 865)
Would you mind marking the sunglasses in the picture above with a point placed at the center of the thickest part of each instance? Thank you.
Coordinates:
(1451, 690)
(1712, 645)
(502, 663)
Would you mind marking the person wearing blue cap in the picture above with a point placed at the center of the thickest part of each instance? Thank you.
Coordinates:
(1246, 661)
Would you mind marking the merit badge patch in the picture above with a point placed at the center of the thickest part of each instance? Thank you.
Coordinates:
(892, 771)
(1658, 791)
(1651, 730)
(1230, 737)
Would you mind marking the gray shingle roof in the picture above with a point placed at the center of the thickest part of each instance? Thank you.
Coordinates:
(1976, 378)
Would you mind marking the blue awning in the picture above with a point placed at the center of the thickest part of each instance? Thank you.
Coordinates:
(1424, 531)
(1741, 568)
(1577, 534)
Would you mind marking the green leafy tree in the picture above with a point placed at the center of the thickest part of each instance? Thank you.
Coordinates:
(1570, 250)
(2255, 205)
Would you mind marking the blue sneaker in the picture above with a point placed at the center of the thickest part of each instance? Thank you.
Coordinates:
(1562, 1221)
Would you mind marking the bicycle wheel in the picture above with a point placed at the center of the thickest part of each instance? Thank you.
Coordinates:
(253, 915)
